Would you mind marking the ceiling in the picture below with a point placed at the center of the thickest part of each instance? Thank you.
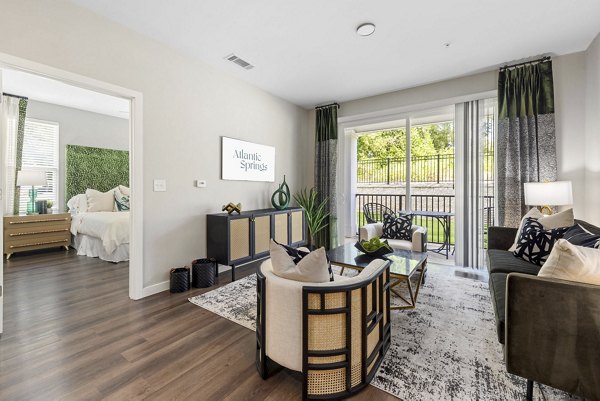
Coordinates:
(308, 52)
(52, 91)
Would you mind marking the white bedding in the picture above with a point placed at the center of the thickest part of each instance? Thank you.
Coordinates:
(112, 228)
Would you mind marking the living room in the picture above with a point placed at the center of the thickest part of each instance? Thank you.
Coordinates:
(171, 63)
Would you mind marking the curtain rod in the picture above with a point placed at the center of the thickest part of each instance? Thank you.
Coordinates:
(328, 105)
(539, 60)
(17, 96)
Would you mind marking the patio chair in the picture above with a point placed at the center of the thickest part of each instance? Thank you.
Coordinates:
(374, 212)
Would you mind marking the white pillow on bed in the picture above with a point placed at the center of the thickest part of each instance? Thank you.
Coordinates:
(100, 201)
(78, 204)
(124, 190)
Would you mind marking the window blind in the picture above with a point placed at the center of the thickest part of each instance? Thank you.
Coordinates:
(40, 152)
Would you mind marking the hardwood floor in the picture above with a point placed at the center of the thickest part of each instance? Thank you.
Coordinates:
(72, 333)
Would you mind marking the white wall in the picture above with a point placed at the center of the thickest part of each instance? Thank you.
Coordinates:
(187, 107)
(592, 132)
(79, 127)
(569, 104)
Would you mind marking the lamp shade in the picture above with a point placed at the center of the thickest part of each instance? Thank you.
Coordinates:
(557, 193)
(31, 178)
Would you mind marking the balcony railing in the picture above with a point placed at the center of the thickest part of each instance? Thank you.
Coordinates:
(435, 203)
(438, 168)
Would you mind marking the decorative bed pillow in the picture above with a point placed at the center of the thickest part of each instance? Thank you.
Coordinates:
(535, 243)
(312, 268)
(578, 235)
(121, 200)
(78, 204)
(397, 227)
(100, 201)
(124, 190)
(574, 263)
(557, 220)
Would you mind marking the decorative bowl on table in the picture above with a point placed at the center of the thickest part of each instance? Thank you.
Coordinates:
(375, 247)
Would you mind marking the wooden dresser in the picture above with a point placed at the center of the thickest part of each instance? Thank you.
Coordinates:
(39, 231)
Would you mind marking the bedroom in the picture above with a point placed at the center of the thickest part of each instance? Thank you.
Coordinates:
(67, 162)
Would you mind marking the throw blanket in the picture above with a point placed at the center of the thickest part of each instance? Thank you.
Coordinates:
(112, 228)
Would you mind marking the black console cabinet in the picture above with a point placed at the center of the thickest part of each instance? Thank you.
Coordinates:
(235, 239)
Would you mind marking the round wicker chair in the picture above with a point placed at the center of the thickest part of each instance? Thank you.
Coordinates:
(335, 333)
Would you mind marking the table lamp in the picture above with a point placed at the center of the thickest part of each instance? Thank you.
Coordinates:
(31, 178)
(547, 194)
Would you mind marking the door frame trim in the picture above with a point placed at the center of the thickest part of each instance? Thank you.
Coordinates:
(136, 252)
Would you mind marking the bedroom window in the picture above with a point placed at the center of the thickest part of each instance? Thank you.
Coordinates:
(40, 152)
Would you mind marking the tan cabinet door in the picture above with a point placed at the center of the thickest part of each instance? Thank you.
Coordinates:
(262, 234)
(297, 227)
(281, 228)
(239, 238)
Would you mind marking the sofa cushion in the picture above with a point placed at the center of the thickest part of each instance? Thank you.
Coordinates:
(535, 243)
(497, 285)
(577, 235)
(500, 261)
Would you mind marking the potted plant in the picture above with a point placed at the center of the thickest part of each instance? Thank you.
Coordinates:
(316, 214)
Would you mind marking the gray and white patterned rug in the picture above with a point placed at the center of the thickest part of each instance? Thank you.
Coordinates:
(445, 349)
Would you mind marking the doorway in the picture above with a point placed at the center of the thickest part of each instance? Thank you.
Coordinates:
(133, 101)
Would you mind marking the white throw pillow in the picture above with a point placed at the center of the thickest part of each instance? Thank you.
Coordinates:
(78, 204)
(100, 201)
(573, 263)
(124, 190)
(313, 268)
(533, 213)
(558, 220)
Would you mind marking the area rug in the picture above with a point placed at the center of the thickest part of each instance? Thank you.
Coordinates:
(445, 349)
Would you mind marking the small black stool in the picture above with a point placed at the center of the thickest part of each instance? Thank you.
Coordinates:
(203, 272)
(180, 279)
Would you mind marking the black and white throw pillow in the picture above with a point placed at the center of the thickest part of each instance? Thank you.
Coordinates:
(578, 235)
(397, 227)
(297, 255)
(535, 243)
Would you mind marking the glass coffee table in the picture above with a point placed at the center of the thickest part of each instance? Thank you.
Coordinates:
(406, 267)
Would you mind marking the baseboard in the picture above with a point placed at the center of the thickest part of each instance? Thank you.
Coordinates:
(165, 285)
(155, 288)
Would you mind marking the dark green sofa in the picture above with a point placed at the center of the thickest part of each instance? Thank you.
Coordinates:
(550, 327)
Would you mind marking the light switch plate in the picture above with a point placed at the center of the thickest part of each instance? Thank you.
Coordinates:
(201, 183)
(160, 185)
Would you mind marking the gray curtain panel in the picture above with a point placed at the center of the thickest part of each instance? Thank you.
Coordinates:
(526, 145)
(19, 151)
(325, 170)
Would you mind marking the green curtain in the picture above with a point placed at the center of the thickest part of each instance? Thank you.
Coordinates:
(325, 170)
(19, 151)
(526, 145)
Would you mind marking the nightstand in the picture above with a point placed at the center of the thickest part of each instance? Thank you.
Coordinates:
(38, 231)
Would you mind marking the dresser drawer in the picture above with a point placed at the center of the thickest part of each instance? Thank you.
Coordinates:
(37, 242)
(40, 221)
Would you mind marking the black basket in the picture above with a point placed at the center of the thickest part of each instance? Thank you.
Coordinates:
(203, 273)
(180, 279)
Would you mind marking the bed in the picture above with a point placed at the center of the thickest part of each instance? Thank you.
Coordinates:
(97, 186)
(103, 235)
(100, 224)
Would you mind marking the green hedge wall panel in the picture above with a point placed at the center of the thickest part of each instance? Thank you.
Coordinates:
(96, 168)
